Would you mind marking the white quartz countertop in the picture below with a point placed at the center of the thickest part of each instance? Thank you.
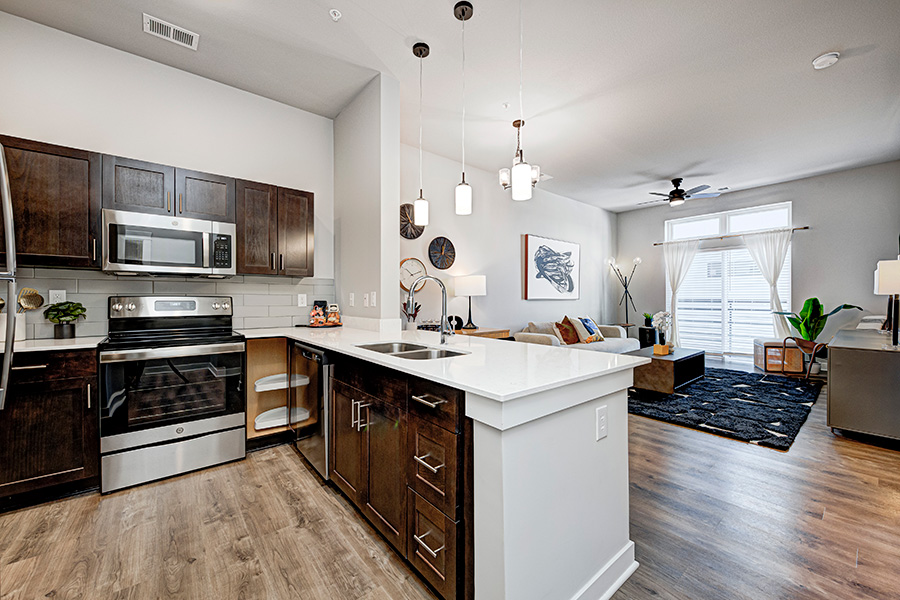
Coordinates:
(77, 343)
(498, 369)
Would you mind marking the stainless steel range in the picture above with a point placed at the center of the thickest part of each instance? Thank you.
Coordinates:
(172, 388)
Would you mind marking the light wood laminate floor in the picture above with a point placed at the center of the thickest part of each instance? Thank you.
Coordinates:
(711, 518)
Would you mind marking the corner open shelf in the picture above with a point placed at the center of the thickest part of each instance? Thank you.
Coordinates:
(279, 381)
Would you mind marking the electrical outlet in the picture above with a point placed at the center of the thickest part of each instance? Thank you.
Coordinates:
(372, 299)
(301, 300)
(351, 299)
(602, 422)
(57, 296)
(366, 300)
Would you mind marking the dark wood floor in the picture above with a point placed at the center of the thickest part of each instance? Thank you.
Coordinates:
(711, 518)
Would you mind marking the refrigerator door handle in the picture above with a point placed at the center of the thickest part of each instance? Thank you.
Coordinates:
(9, 236)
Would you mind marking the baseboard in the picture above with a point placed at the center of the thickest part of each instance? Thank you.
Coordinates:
(610, 578)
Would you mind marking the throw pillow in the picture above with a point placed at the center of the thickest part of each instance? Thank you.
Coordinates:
(592, 328)
(580, 328)
(568, 332)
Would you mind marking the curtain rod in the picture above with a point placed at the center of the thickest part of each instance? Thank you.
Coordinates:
(722, 237)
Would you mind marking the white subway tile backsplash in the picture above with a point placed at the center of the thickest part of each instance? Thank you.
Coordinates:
(267, 299)
(185, 288)
(114, 287)
(288, 311)
(44, 285)
(39, 273)
(241, 288)
(258, 322)
(251, 311)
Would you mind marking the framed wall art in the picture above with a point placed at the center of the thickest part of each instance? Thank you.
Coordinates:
(552, 269)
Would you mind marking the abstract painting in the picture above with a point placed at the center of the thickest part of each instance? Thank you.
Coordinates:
(552, 269)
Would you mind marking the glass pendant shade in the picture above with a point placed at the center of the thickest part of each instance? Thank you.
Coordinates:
(521, 181)
(420, 211)
(535, 174)
(505, 178)
(676, 201)
(463, 197)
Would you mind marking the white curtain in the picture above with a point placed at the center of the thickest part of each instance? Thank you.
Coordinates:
(769, 250)
(679, 256)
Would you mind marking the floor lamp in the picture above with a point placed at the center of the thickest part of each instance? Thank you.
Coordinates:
(625, 281)
(887, 283)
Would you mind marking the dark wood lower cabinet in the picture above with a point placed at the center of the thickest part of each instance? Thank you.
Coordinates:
(49, 428)
(407, 467)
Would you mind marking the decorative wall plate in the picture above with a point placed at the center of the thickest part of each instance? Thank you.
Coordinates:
(410, 270)
(441, 252)
(408, 228)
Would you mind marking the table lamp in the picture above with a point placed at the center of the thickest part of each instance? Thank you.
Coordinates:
(471, 285)
(887, 283)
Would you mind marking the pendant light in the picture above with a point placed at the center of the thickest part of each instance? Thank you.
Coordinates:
(420, 206)
(463, 194)
(523, 177)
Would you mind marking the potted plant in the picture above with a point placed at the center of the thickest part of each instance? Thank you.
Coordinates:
(662, 321)
(811, 321)
(648, 320)
(64, 315)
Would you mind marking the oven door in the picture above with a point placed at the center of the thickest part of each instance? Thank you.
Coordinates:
(139, 243)
(142, 389)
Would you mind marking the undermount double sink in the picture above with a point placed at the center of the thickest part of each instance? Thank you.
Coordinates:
(410, 351)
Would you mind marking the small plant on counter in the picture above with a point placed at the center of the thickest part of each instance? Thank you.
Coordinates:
(64, 315)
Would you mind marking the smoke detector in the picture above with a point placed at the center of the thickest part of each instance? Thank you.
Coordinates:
(173, 33)
(826, 60)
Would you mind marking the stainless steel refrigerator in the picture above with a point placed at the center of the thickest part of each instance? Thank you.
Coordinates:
(8, 275)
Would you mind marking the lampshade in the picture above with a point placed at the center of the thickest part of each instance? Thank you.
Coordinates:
(420, 211)
(521, 181)
(471, 285)
(887, 277)
(463, 199)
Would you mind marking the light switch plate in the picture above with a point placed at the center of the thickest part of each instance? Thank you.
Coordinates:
(602, 422)
(57, 296)
(301, 300)
(372, 299)
(351, 299)
(366, 300)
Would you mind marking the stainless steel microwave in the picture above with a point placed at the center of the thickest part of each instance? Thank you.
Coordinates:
(137, 243)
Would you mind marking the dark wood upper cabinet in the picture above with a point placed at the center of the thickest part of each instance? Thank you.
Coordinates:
(204, 196)
(295, 233)
(56, 195)
(274, 230)
(49, 428)
(257, 231)
(138, 186)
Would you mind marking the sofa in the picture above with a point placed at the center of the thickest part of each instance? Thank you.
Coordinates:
(615, 339)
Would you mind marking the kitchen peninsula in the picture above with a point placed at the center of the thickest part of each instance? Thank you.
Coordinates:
(549, 458)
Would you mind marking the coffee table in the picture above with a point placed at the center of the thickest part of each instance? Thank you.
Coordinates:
(665, 374)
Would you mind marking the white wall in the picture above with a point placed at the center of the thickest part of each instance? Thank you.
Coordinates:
(489, 242)
(69, 91)
(367, 143)
(854, 220)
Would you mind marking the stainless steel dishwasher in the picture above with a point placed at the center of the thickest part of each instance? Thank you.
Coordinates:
(308, 405)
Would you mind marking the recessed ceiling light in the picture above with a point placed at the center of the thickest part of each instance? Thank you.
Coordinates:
(826, 60)
(335, 14)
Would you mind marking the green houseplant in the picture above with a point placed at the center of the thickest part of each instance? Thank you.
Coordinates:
(648, 320)
(64, 315)
(812, 318)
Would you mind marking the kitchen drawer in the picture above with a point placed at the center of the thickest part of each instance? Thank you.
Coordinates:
(372, 379)
(433, 464)
(50, 366)
(435, 403)
(432, 545)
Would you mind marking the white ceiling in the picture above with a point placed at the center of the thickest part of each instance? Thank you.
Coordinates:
(619, 96)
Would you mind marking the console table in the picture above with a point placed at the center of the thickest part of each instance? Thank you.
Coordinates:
(863, 383)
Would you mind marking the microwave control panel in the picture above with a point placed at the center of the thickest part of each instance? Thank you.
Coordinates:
(221, 251)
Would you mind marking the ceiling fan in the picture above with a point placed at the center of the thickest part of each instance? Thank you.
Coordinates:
(678, 196)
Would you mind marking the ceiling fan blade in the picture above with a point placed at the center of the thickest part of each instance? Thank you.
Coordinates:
(693, 191)
(658, 194)
(651, 202)
(710, 195)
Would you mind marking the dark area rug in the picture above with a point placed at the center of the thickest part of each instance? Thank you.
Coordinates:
(758, 408)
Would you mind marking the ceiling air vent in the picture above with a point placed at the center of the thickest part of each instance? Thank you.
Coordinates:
(173, 33)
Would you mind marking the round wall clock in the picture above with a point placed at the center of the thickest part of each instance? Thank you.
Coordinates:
(410, 270)
(441, 252)
(408, 228)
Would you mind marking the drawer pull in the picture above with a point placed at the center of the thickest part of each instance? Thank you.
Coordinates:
(29, 368)
(89, 395)
(353, 414)
(421, 461)
(359, 422)
(421, 541)
(423, 400)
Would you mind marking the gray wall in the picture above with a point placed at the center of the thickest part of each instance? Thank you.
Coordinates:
(489, 242)
(258, 301)
(854, 220)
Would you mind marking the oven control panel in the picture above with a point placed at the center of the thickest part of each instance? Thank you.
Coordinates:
(124, 307)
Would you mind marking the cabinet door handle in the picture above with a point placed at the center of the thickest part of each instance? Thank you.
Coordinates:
(89, 395)
(421, 461)
(180, 203)
(423, 400)
(273, 261)
(93, 248)
(282, 261)
(168, 201)
(421, 541)
(359, 422)
(29, 368)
